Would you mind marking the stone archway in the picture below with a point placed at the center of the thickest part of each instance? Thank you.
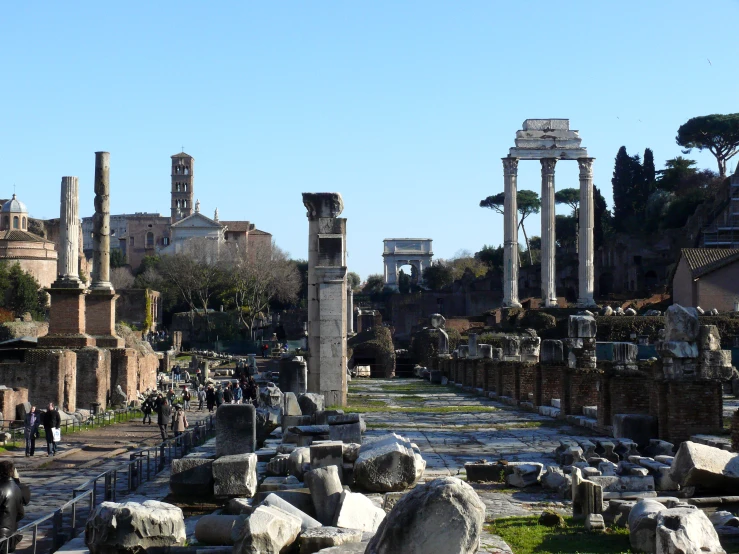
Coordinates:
(416, 253)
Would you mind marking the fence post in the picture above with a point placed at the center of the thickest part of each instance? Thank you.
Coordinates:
(56, 530)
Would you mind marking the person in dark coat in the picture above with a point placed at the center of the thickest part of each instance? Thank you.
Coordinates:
(11, 506)
(51, 420)
(30, 430)
(147, 407)
(227, 394)
(210, 398)
(219, 396)
(163, 418)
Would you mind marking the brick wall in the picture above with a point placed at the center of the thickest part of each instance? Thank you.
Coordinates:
(527, 381)
(581, 389)
(49, 376)
(624, 394)
(692, 408)
(469, 373)
(67, 314)
(549, 383)
(479, 374)
(93, 376)
(509, 379)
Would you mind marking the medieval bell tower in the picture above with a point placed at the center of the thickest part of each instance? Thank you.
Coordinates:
(182, 181)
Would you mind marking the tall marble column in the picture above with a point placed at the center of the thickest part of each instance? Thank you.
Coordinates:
(67, 313)
(100, 302)
(69, 235)
(349, 310)
(510, 234)
(586, 272)
(548, 238)
(101, 224)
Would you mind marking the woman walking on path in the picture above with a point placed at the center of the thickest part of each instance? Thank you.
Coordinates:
(163, 415)
(179, 421)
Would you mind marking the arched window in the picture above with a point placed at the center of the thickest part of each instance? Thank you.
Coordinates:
(187, 171)
(177, 203)
(185, 187)
(150, 240)
(177, 187)
(15, 222)
(184, 203)
(24, 223)
(6, 222)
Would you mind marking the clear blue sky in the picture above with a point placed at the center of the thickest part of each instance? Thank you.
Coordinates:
(404, 107)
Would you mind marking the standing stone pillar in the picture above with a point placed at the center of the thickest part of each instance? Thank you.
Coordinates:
(102, 297)
(510, 234)
(548, 238)
(349, 310)
(327, 297)
(586, 271)
(67, 312)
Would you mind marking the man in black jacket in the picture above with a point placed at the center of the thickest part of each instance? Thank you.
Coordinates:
(163, 416)
(50, 421)
(11, 506)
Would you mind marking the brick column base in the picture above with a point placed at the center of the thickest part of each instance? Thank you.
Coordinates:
(67, 319)
(100, 318)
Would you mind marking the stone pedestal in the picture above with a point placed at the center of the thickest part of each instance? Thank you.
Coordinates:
(66, 319)
(100, 306)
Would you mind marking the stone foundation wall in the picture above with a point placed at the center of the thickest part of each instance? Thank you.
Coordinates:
(93, 377)
(133, 371)
(509, 379)
(10, 399)
(48, 375)
(469, 373)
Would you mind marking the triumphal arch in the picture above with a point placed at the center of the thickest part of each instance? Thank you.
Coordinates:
(416, 253)
(548, 140)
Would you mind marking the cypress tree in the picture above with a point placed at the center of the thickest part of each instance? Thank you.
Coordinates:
(622, 188)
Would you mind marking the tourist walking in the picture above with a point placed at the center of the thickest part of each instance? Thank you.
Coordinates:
(30, 430)
(147, 407)
(179, 421)
(201, 398)
(51, 420)
(210, 396)
(228, 396)
(237, 394)
(186, 396)
(163, 416)
(11, 506)
(170, 395)
(176, 373)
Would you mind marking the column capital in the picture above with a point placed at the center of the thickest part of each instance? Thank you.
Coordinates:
(547, 166)
(586, 165)
(510, 165)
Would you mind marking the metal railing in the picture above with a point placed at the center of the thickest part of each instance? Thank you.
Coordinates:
(68, 521)
(16, 426)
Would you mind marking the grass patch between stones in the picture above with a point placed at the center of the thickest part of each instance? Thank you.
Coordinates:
(363, 404)
(525, 536)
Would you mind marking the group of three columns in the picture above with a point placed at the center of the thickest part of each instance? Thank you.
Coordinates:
(548, 236)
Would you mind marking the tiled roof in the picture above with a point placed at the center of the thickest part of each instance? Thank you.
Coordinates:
(237, 226)
(258, 232)
(182, 155)
(22, 236)
(704, 260)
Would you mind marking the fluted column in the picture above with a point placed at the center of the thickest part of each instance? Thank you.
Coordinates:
(101, 224)
(548, 238)
(587, 220)
(69, 233)
(510, 234)
(349, 310)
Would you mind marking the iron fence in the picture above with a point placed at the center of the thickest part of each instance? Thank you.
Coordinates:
(16, 426)
(48, 533)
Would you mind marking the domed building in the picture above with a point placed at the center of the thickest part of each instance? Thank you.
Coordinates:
(35, 254)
